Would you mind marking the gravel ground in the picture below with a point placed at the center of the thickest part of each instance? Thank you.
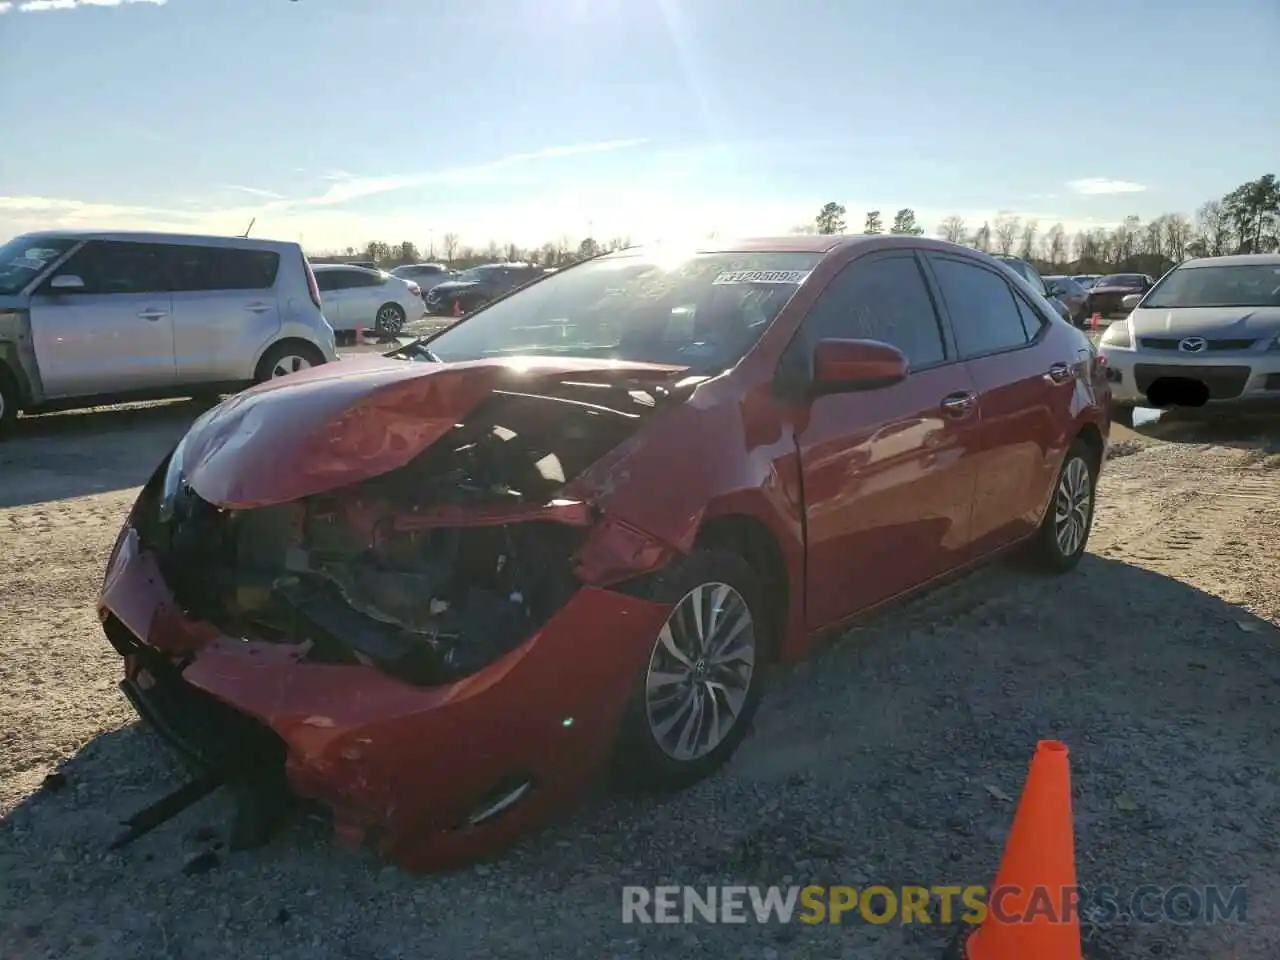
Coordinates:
(888, 757)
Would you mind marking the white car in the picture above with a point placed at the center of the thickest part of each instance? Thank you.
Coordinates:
(1208, 333)
(376, 301)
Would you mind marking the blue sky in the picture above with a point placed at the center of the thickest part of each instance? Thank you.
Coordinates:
(341, 121)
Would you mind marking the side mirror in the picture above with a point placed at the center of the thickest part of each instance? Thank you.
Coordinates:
(66, 281)
(1131, 301)
(848, 366)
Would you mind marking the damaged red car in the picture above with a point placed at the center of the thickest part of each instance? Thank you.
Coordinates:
(438, 590)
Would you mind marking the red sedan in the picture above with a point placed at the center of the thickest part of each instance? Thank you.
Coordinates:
(438, 590)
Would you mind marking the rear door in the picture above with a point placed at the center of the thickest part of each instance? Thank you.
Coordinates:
(116, 334)
(224, 310)
(1022, 393)
(888, 481)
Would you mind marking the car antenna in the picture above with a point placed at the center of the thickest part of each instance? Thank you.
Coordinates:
(249, 227)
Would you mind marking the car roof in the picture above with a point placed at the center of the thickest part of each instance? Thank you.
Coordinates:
(1236, 260)
(805, 243)
(330, 267)
(150, 236)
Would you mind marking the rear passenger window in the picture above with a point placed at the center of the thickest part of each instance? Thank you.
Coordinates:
(1032, 322)
(983, 309)
(885, 299)
(222, 268)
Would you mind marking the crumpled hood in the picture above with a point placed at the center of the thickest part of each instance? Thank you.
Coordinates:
(345, 422)
(1231, 323)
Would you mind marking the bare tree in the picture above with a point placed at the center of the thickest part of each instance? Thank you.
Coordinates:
(1027, 246)
(449, 243)
(873, 223)
(1055, 245)
(952, 229)
(1006, 233)
(1177, 236)
(982, 238)
(1213, 230)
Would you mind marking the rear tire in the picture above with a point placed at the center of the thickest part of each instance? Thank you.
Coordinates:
(8, 401)
(389, 320)
(1064, 533)
(288, 356)
(704, 670)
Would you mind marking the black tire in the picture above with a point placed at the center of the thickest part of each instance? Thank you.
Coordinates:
(389, 320)
(286, 348)
(1123, 415)
(1048, 551)
(640, 762)
(8, 401)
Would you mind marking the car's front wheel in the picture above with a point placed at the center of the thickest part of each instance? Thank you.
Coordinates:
(696, 696)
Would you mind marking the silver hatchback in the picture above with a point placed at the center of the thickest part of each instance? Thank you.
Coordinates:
(89, 318)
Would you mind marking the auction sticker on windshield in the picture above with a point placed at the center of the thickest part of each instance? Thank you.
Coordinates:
(763, 276)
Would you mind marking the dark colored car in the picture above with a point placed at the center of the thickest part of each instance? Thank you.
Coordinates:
(1030, 274)
(1071, 293)
(425, 275)
(1106, 295)
(438, 590)
(473, 288)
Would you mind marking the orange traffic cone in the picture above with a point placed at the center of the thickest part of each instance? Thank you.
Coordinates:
(1038, 871)
(1095, 321)
(457, 308)
(359, 334)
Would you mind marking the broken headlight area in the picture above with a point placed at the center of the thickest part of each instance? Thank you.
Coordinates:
(429, 572)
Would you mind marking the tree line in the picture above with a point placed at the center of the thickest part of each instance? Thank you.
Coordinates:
(1245, 220)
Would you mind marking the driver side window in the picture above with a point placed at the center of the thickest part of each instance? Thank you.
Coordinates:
(108, 266)
(883, 298)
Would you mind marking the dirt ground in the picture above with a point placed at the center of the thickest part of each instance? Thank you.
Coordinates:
(892, 756)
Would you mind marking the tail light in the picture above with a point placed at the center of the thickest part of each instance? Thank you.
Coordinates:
(312, 287)
(415, 289)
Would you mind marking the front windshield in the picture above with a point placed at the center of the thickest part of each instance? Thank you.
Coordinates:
(22, 259)
(1248, 285)
(702, 311)
(1121, 280)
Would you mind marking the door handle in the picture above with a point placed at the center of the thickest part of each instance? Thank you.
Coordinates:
(153, 315)
(1059, 373)
(959, 405)
(258, 307)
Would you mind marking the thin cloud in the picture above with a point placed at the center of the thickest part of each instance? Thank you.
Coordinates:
(44, 6)
(348, 187)
(254, 191)
(1101, 186)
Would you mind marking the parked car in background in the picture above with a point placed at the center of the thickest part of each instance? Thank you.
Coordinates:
(1072, 294)
(1087, 280)
(473, 288)
(1106, 295)
(356, 297)
(595, 456)
(1030, 274)
(1207, 334)
(425, 275)
(88, 318)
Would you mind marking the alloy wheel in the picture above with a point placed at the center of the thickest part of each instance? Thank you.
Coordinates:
(1072, 505)
(288, 364)
(700, 671)
(389, 320)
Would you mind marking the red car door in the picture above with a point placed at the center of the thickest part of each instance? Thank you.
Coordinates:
(886, 474)
(1024, 394)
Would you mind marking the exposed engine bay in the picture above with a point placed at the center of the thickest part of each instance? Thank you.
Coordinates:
(429, 572)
